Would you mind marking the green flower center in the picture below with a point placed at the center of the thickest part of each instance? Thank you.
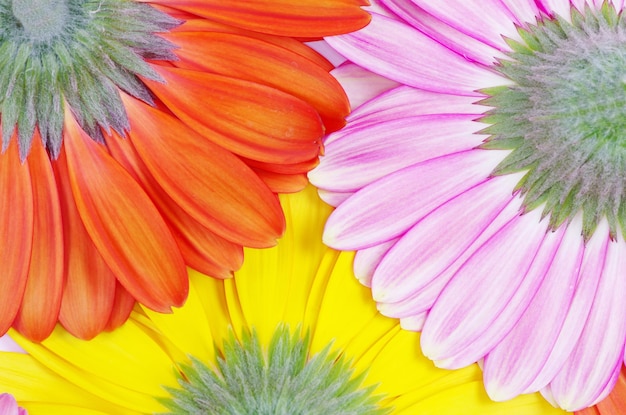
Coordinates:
(564, 117)
(79, 53)
(284, 380)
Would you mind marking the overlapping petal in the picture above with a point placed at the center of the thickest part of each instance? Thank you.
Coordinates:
(448, 245)
(168, 134)
(299, 282)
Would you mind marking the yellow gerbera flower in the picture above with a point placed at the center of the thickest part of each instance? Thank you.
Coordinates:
(294, 302)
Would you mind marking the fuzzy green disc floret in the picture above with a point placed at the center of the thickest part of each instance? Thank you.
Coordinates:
(564, 117)
(283, 381)
(78, 53)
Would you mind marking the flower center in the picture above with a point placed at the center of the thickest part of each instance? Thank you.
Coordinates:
(79, 53)
(564, 117)
(282, 381)
(41, 19)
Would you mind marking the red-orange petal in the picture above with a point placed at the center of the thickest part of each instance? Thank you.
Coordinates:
(302, 18)
(123, 223)
(123, 303)
(264, 63)
(614, 404)
(282, 183)
(201, 248)
(294, 45)
(209, 183)
(251, 120)
(40, 307)
(89, 290)
(16, 230)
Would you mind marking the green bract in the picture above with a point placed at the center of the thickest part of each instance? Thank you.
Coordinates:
(78, 53)
(564, 117)
(283, 381)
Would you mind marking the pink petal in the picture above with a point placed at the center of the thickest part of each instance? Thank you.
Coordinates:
(366, 260)
(480, 291)
(7, 344)
(429, 249)
(561, 7)
(510, 368)
(390, 206)
(333, 198)
(525, 11)
(8, 405)
(466, 46)
(414, 323)
(360, 84)
(422, 296)
(583, 378)
(484, 20)
(580, 306)
(404, 101)
(403, 54)
(371, 152)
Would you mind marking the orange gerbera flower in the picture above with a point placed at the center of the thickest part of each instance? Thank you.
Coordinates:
(139, 139)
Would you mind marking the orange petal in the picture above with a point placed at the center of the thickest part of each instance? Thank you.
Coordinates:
(210, 184)
(40, 307)
(16, 230)
(302, 18)
(267, 64)
(283, 183)
(123, 304)
(202, 25)
(252, 120)
(89, 290)
(123, 223)
(202, 249)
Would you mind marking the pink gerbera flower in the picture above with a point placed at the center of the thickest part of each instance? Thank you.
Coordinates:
(485, 194)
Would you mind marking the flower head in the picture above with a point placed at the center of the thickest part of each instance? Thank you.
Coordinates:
(140, 138)
(292, 333)
(484, 194)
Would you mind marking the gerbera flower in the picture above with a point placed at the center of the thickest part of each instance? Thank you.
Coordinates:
(140, 138)
(485, 193)
(292, 333)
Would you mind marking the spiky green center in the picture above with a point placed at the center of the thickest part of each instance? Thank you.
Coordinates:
(283, 381)
(564, 117)
(78, 53)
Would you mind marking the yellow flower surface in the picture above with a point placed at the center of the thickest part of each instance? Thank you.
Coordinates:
(300, 283)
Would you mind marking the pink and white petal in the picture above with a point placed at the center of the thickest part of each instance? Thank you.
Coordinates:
(360, 84)
(333, 198)
(7, 344)
(381, 47)
(369, 153)
(470, 48)
(510, 368)
(366, 260)
(590, 368)
(324, 49)
(415, 322)
(561, 7)
(424, 296)
(388, 207)
(481, 290)
(580, 305)
(404, 101)
(438, 240)
(511, 300)
(8, 405)
(525, 11)
(484, 20)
